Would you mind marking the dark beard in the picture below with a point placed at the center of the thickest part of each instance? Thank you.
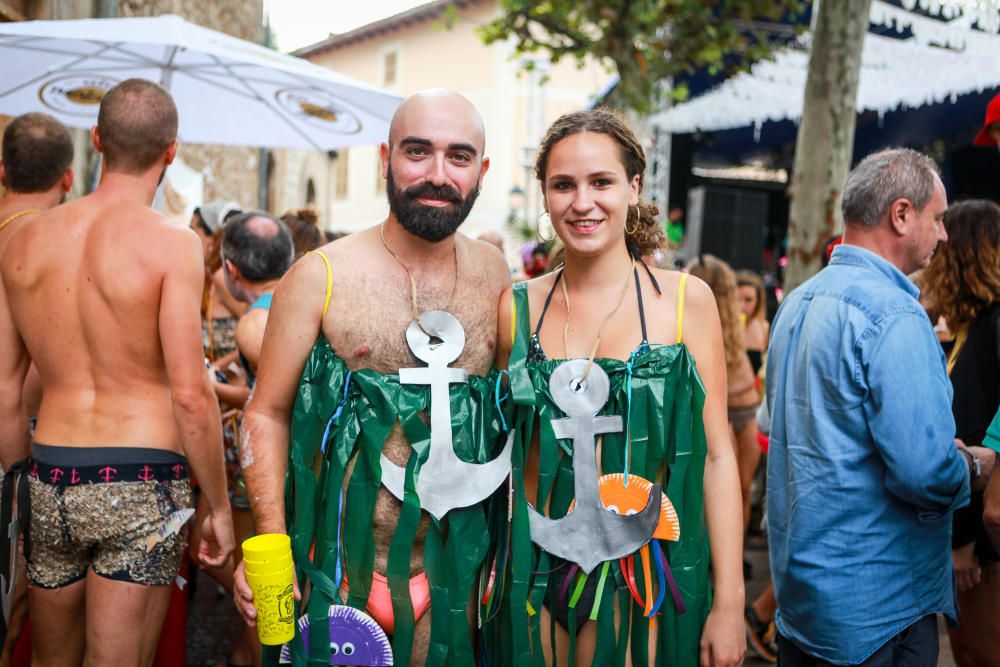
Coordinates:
(428, 222)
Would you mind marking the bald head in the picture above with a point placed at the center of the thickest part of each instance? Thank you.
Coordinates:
(259, 245)
(438, 109)
(433, 163)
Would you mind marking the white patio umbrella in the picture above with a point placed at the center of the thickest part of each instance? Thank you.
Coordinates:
(228, 91)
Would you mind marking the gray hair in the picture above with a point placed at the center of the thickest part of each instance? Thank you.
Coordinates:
(259, 252)
(882, 178)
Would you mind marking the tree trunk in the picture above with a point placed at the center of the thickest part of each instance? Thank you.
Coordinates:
(825, 141)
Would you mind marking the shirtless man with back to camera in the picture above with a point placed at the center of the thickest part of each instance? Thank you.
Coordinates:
(103, 294)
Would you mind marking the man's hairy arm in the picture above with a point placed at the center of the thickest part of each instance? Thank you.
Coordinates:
(14, 361)
(293, 325)
(195, 408)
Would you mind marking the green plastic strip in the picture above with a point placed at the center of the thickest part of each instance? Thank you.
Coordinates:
(600, 590)
(661, 398)
(370, 405)
(581, 581)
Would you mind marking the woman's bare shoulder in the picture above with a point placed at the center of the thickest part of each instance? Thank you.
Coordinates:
(697, 294)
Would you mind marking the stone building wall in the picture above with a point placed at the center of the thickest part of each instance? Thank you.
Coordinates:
(232, 173)
(290, 179)
(28, 10)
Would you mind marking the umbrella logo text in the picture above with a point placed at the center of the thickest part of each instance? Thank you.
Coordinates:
(77, 95)
(317, 109)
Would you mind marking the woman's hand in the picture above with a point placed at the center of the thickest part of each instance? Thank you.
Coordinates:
(723, 641)
(968, 574)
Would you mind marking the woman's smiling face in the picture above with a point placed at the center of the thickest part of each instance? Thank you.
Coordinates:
(587, 192)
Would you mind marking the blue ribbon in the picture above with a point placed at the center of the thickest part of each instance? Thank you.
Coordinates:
(660, 574)
(628, 408)
(338, 570)
(336, 413)
(498, 399)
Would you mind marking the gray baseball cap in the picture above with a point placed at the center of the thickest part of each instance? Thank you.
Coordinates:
(214, 214)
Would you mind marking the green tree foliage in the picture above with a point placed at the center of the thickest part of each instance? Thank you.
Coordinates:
(647, 41)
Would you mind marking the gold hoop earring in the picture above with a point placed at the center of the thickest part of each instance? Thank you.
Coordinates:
(635, 228)
(538, 227)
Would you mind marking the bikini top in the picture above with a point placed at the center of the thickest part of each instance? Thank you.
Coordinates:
(535, 351)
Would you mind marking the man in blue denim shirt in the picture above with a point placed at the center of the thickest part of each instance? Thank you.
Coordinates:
(863, 473)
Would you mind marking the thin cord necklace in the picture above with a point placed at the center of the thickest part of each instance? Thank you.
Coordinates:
(597, 341)
(413, 283)
(19, 214)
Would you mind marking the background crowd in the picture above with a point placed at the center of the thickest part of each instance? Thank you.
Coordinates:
(851, 392)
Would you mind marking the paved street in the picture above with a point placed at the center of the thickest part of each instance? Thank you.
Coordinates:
(213, 620)
(212, 624)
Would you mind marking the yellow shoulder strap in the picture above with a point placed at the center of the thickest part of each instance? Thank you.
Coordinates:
(680, 306)
(329, 280)
(956, 348)
(513, 319)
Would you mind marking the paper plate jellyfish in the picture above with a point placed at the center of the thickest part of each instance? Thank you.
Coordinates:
(355, 639)
(628, 500)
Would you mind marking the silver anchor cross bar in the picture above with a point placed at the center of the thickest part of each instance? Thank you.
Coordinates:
(590, 534)
(444, 481)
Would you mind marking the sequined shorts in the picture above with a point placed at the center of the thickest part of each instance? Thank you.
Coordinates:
(113, 509)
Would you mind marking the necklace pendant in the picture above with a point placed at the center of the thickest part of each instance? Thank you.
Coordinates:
(444, 482)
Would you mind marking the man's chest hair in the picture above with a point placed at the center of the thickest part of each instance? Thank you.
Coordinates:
(372, 312)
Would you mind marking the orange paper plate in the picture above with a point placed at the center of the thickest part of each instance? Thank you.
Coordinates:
(632, 499)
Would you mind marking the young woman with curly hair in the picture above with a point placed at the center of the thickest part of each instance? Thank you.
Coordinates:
(962, 285)
(646, 348)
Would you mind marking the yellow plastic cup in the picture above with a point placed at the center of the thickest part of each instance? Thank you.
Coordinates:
(274, 600)
(267, 547)
(266, 567)
(268, 561)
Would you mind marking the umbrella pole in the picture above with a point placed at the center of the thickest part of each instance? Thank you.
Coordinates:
(167, 71)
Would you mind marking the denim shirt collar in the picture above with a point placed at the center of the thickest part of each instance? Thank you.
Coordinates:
(852, 255)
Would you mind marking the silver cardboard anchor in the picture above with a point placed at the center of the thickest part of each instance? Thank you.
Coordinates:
(590, 534)
(444, 481)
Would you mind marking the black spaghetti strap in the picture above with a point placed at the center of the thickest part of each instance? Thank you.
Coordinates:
(652, 278)
(642, 311)
(548, 300)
